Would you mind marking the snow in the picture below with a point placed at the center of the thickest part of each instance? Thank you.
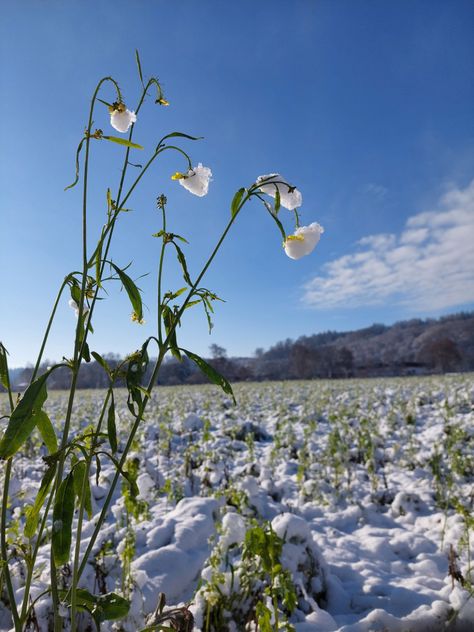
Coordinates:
(368, 484)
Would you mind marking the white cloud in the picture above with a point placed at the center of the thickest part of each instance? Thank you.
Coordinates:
(377, 190)
(429, 266)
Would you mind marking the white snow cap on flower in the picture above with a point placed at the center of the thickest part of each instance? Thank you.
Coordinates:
(303, 241)
(196, 180)
(121, 118)
(290, 197)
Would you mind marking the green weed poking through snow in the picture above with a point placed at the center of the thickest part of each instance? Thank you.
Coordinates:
(58, 512)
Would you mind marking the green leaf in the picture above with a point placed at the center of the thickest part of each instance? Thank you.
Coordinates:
(4, 379)
(81, 481)
(122, 141)
(22, 420)
(181, 135)
(63, 512)
(170, 328)
(100, 360)
(277, 221)
(76, 293)
(214, 376)
(98, 260)
(70, 186)
(139, 66)
(137, 366)
(112, 606)
(182, 261)
(277, 200)
(47, 431)
(175, 236)
(32, 512)
(132, 291)
(111, 427)
(170, 296)
(192, 303)
(106, 607)
(236, 201)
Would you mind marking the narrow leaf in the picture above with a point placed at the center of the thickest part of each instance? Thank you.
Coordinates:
(63, 512)
(182, 261)
(122, 141)
(111, 427)
(192, 303)
(47, 432)
(181, 135)
(100, 360)
(214, 376)
(132, 291)
(70, 186)
(76, 293)
(81, 482)
(169, 321)
(4, 379)
(32, 512)
(98, 261)
(277, 204)
(236, 201)
(23, 420)
(139, 66)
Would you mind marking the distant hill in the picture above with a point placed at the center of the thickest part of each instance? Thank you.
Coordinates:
(412, 347)
(407, 347)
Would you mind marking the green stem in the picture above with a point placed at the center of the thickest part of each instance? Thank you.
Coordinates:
(151, 383)
(77, 549)
(25, 609)
(48, 329)
(160, 274)
(3, 525)
(110, 227)
(78, 347)
(6, 570)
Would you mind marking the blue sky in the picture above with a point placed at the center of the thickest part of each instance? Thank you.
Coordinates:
(365, 106)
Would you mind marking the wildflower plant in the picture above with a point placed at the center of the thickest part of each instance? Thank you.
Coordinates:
(63, 500)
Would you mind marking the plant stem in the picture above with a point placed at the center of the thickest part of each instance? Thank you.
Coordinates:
(151, 383)
(79, 346)
(160, 274)
(24, 609)
(48, 329)
(6, 570)
(77, 549)
(3, 525)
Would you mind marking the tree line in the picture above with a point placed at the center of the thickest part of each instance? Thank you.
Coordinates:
(409, 347)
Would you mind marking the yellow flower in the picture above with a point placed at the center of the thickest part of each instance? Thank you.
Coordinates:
(178, 176)
(135, 319)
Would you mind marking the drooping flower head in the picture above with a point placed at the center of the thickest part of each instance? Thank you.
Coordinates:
(196, 180)
(303, 241)
(290, 197)
(120, 117)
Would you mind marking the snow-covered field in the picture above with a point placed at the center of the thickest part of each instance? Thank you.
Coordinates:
(370, 485)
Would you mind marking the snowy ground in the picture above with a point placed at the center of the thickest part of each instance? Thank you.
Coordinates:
(369, 483)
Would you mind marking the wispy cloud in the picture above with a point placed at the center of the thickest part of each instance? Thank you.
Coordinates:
(429, 266)
(377, 190)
